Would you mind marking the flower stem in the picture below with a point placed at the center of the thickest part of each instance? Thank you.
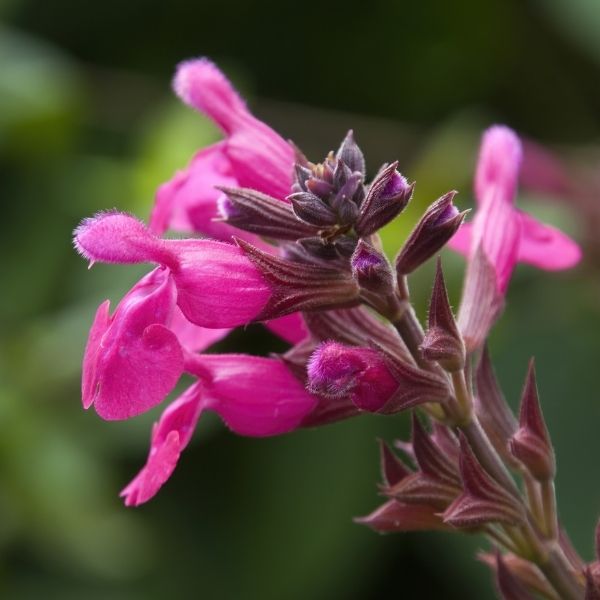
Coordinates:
(549, 509)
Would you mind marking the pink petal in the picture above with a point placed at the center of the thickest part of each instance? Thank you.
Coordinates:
(90, 357)
(255, 396)
(461, 241)
(217, 285)
(291, 328)
(498, 165)
(115, 237)
(170, 436)
(188, 202)
(546, 247)
(260, 158)
(201, 85)
(139, 360)
(192, 337)
(497, 229)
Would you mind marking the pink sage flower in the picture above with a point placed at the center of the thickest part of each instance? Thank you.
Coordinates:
(506, 234)
(200, 269)
(500, 236)
(252, 156)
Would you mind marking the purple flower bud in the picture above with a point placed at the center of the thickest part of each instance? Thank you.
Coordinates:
(509, 586)
(351, 155)
(394, 517)
(335, 370)
(393, 470)
(521, 569)
(371, 269)
(436, 227)
(531, 443)
(388, 196)
(443, 342)
(258, 213)
(437, 482)
(311, 209)
(483, 500)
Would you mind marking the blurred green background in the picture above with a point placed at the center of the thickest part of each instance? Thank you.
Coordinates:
(87, 121)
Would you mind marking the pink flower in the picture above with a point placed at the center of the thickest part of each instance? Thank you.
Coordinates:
(505, 234)
(254, 396)
(500, 236)
(201, 270)
(134, 358)
(252, 155)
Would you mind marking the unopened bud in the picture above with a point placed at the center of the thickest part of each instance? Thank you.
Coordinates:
(523, 570)
(388, 195)
(442, 342)
(393, 470)
(509, 586)
(483, 500)
(371, 269)
(258, 213)
(311, 209)
(362, 374)
(394, 517)
(439, 223)
(351, 155)
(531, 443)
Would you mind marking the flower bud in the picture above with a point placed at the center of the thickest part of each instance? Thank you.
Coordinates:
(374, 381)
(388, 195)
(521, 569)
(362, 374)
(509, 586)
(442, 342)
(531, 443)
(393, 470)
(258, 213)
(436, 227)
(394, 517)
(483, 500)
(351, 155)
(371, 269)
(311, 209)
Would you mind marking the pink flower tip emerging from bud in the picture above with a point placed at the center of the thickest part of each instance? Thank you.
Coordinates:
(505, 234)
(335, 370)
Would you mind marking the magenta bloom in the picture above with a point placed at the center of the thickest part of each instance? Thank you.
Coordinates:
(254, 396)
(199, 269)
(505, 234)
(252, 155)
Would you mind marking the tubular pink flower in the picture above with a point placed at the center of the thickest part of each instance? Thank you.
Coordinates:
(252, 155)
(217, 285)
(254, 396)
(505, 234)
(290, 328)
